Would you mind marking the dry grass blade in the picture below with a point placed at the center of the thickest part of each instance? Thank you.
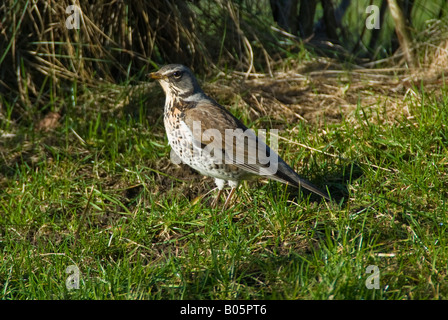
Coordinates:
(113, 41)
(330, 154)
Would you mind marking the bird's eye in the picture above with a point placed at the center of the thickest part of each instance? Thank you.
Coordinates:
(177, 74)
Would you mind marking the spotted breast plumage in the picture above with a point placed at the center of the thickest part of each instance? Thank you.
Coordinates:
(208, 138)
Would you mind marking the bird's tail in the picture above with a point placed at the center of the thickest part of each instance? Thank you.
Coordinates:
(286, 174)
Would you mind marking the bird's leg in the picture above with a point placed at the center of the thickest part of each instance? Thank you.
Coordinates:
(228, 199)
(215, 201)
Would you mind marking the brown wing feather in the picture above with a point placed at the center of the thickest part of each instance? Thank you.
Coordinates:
(244, 149)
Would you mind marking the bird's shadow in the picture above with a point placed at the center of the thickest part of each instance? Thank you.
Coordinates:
(335, 181)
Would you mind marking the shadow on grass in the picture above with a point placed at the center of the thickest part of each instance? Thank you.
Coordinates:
(336, 183)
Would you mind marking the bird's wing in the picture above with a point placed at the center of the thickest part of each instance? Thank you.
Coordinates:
(227, 139)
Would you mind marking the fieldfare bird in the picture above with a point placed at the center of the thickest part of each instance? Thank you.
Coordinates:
(211, 140)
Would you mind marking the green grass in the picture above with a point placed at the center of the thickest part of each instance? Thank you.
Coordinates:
(142, 235)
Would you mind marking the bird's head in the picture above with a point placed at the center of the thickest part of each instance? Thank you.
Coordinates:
(176, 79)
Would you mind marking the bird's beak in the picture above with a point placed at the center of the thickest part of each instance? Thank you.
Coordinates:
(155, 75)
